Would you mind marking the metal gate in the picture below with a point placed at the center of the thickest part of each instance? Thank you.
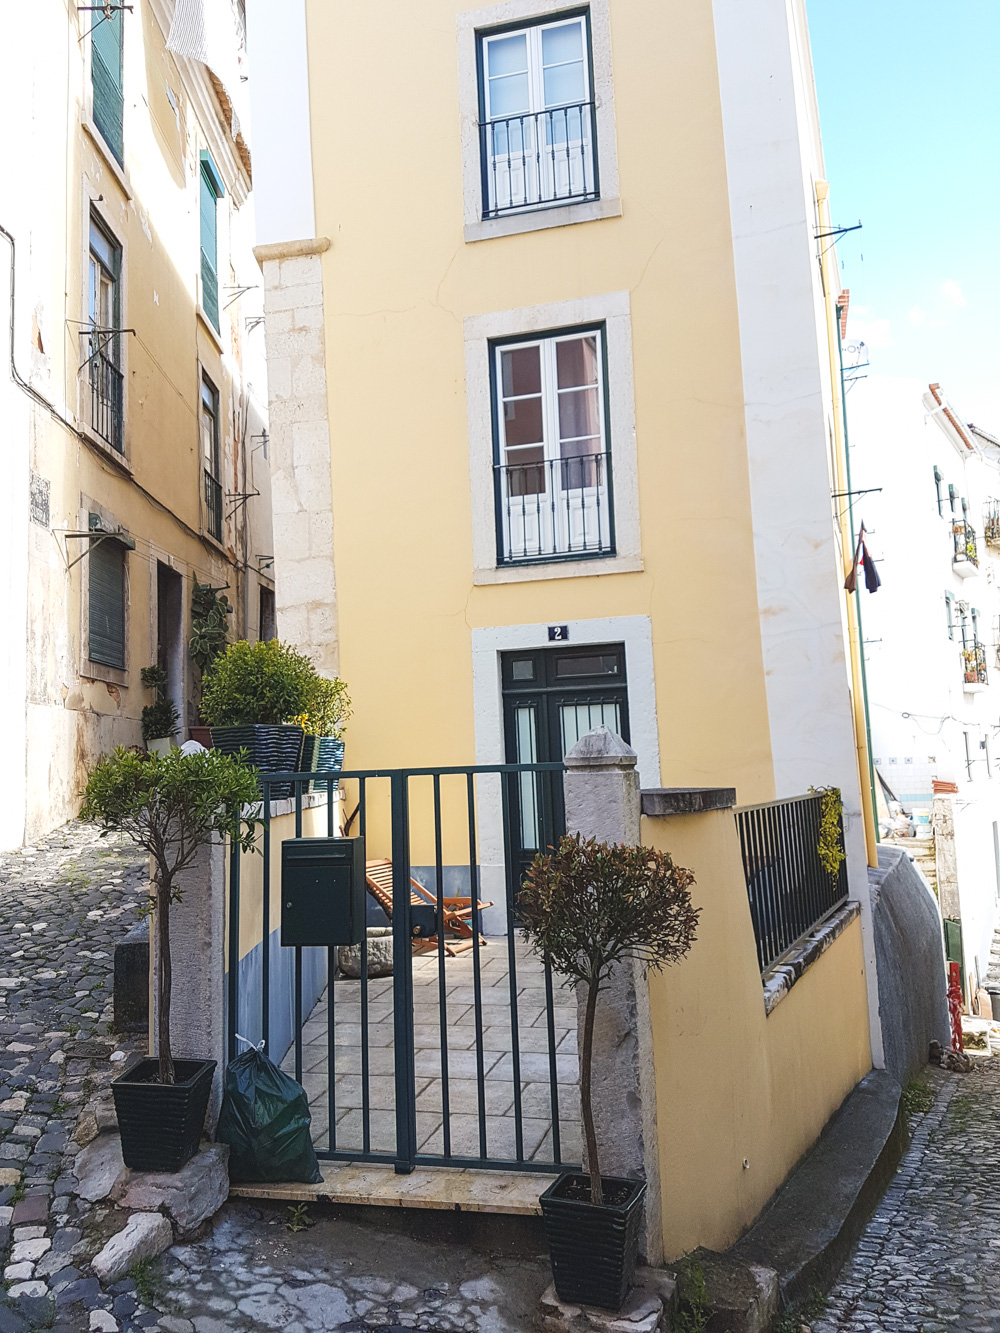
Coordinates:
(466, 1056)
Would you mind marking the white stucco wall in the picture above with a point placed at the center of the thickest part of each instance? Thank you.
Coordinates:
(773, 159)
(920, 710)
(279, 101)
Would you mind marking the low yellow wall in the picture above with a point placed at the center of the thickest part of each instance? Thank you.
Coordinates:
(734, 1085)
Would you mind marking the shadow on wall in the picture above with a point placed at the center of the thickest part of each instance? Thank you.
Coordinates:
(912, 989)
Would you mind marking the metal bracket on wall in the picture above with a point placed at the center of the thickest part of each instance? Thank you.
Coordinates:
(94, 535)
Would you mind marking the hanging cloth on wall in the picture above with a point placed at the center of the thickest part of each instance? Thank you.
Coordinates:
(862, 555)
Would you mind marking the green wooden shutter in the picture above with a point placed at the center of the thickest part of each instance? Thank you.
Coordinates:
(106, 75)
(209, 245)
(107, 603)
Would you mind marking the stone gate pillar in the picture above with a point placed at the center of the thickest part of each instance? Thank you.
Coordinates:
(602, 796)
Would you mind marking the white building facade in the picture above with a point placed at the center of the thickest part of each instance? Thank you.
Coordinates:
(932, 638)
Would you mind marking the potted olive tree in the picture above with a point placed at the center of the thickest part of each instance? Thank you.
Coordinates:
(587, 907)
(172, 806)
(160, 720)
(323, 722)
(251, 695)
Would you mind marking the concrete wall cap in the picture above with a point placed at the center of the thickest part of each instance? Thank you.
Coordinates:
(601, 748)
(313, 245)
(661, 801)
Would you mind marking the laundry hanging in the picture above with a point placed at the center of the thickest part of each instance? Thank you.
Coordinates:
(862, 555)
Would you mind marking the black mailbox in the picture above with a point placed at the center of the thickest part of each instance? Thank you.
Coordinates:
(322, 891)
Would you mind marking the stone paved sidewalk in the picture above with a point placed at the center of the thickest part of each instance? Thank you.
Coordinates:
(64, 905)
(929, 1260)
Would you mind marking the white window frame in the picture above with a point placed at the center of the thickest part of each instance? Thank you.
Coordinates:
(471, 26)
(546, 167)
(92, 207)
(481, 332)
(596, 500)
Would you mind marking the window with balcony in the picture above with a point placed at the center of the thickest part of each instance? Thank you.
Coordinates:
(974, 672)
(552, 461)
(965, 557)
(538, 129)
(106, 76)
(103, 337)
(211, 453)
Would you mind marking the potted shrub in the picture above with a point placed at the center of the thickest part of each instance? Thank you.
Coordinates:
(171, 805)
(587, 907)
(323, 723)
(160, 720)
(251, 693)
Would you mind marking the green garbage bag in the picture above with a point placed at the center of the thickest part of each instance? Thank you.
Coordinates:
(265, 1120)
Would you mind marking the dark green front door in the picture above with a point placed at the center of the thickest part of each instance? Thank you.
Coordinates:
(552, 697)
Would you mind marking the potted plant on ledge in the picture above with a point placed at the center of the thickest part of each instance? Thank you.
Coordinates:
(172, 806)
(323, 723)
(160, 720)
(251, 693)
(587, 907)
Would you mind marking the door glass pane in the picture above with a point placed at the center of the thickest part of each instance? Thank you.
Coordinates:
(522, 419)
(507, 55)
(521, 371)
(598, 664)
(507, 65)
(576, 361)
(577, 719)
(579, 415)
(562, 64)
(524, 730)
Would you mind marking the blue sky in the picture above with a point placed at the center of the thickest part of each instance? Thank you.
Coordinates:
(909, 97)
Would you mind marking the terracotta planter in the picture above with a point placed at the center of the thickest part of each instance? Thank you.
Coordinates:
(203, 735)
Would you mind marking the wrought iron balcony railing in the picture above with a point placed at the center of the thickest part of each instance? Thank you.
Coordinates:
(539, 158)
(974, 663)
(964, 539)
(106, 396)
(554, 508)
(791, 890)
(213, 505)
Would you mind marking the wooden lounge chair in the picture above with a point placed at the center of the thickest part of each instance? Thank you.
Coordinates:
(457, 912)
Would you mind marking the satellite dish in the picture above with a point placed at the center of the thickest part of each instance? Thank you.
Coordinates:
(856, 352)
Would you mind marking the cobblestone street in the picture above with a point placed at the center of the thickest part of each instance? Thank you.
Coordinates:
(930, 1258)
(64, 905)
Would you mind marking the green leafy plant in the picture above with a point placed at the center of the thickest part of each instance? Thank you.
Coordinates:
(171, 806)
(586, 907)
(298, 1217)
(694, 1310)
(328, 709)
(161, 718)
(917, 1096)
(265, 683)
(210, 612)
(144, 1277)
(830, 845)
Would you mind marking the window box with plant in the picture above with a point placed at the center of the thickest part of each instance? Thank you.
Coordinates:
(586, 908)
(172, 806)
(323, 723)
(251, 694)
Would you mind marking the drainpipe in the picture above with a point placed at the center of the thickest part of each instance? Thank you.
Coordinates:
(842, 474)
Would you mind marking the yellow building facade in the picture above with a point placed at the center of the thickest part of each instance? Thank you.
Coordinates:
(136, 406)
(555, 425)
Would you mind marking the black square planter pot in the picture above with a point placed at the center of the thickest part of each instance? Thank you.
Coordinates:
(272, 749)
(322, 754)
(161, 1123)
(592, 1249)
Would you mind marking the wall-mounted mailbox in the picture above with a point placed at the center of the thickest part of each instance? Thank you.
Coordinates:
(322, 891)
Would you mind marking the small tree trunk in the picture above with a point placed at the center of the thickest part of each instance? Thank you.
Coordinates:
(586, 1107)
(164, 979)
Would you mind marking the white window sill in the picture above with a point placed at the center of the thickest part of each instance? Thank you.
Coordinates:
(108, 675)
(101, 445)
(513, 224)
(559, 569)
(210, 328)
(110, 161)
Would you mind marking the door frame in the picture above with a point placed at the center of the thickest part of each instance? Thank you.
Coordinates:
(636, 633)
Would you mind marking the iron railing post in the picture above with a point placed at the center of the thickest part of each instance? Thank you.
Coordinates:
(402, 979)
(233, 961)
